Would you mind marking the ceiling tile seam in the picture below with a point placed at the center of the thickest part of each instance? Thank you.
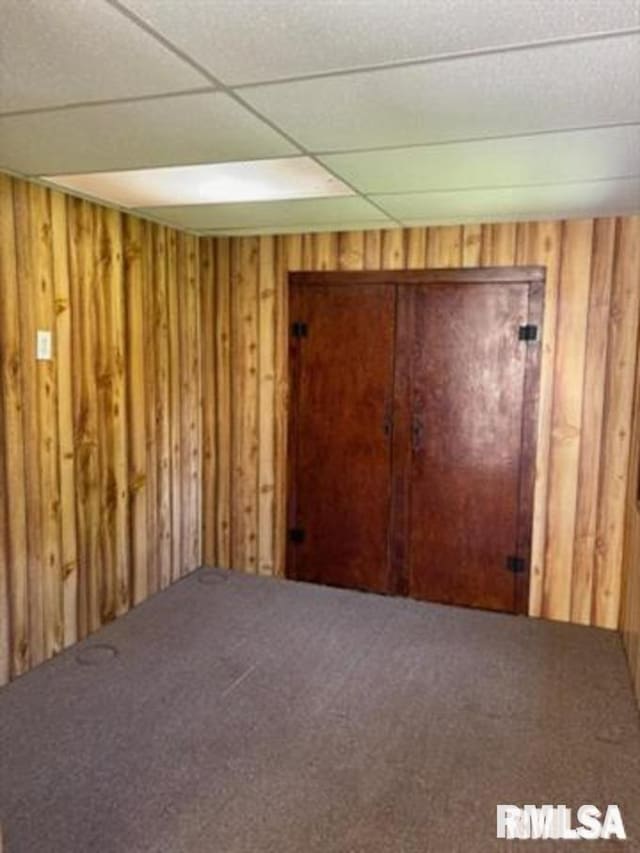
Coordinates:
(276, 230)
(367, 225)
(490, 187)
(320, 224)
(439, 58)
(108, 102)
(333, 152)
(140, 22)
(511, 216)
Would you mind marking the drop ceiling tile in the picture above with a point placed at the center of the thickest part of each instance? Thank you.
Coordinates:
(56, 53)
(170, 131)
(249, 41)
(547, 88)
(302, 213)
(595, 198)
(568, 156)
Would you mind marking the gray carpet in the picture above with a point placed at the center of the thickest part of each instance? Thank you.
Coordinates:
(244, 715)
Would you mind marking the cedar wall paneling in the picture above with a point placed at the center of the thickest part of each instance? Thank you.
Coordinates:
(630, 610)
(99, 447)
(587, 379)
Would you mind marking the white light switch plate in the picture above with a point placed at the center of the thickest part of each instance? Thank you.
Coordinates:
(43, 345)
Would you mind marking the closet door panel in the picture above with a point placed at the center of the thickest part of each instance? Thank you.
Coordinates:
(466, 405)
(340, 434)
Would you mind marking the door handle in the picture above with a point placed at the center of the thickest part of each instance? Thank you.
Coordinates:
(417, 433)
(387, 421)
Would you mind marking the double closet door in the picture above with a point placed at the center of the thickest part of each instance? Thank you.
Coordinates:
(412, 420)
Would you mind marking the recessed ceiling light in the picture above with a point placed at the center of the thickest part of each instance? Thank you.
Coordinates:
(211, 183)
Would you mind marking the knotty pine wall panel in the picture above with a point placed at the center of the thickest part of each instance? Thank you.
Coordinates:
(630, 610)
(585, 412)
(100, 448)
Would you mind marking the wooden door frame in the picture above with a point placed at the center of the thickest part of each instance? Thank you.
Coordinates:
(534, 277)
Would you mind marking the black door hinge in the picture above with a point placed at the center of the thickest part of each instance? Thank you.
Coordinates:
(299, 330)
(296, 535)
(528, 333)
(516, 564)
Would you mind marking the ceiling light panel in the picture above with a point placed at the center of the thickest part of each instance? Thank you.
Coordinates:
(216, 183)
(246, 41)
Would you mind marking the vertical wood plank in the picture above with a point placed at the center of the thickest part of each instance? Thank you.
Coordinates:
(30, 422)
(498, 242)
(416, 248)
(281, 397)
(393, 249)
(191, 406)
(564, 457)
(244, 256)
(150, 394)
(136, 405)
(541, 244)
(223, 410)
(623, 336)
(210, 401)
(175, 302)
(84, 345)
(47, 390)
(163, 404)
(115, 462)
(266, 405)
(326, 251)
(65, 449)
(11, 402)
(592, 416)
(444, 246)
(630, 593)
(307, 242)
(351, 250)
(471, 245)
(373, 249)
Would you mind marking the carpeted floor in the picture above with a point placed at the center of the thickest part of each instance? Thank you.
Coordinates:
(243, 715)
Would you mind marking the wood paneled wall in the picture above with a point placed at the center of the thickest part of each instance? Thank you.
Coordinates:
(630, 611)
(100, 448)
(588, 358)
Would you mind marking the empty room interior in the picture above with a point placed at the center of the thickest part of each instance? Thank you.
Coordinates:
(319, 426)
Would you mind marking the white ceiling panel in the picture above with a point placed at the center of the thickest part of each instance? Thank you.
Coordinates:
(596, 198)
(245, 41)
(550, 88)
(568, 156)
(269, 214)
(163, 132)
(56, 52)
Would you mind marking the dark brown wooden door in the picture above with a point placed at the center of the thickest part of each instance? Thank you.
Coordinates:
(467, 371)
(340, 435)
(413, 404)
